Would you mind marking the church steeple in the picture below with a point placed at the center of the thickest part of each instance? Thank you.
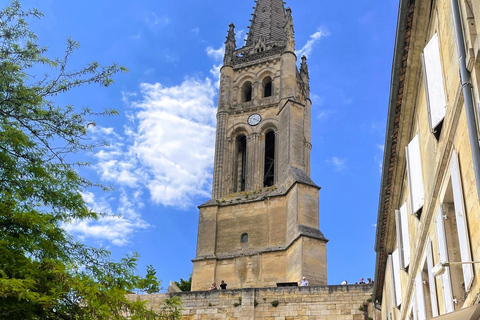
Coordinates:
(261, 226)
(268, 22)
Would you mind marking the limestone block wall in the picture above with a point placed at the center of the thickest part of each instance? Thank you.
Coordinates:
(349, 302)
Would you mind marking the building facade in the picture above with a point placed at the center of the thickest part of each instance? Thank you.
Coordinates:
(261, 226)
(428, 229)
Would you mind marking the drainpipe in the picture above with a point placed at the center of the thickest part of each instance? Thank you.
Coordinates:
(467, 92)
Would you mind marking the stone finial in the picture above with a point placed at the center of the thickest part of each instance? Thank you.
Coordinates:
(230, 45)
(289, 31)
(304, 75)
(304, 67)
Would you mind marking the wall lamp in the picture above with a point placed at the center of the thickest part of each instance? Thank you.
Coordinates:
(439, 268)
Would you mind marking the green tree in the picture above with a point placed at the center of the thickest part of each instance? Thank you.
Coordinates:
(44, 272)
(185, 285)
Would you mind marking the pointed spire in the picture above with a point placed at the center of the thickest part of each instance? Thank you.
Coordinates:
(289, 32)
(230, 45)
(268, 22)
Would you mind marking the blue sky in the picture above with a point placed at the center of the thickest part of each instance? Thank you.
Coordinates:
(159, 164)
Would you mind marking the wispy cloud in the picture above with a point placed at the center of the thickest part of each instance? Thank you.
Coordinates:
(338, 163)
(216, 54)
(378, 157)
(240, 38)
(314, 38)
(155, 21)
(168, 149)
(117, 228)
(195, 31)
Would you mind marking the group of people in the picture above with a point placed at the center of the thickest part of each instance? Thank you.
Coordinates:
(223, 286)
(362, 281)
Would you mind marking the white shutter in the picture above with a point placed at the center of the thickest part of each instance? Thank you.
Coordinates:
(419, 293)
(415, 179)
(414, 307)
(392, 279)
(405, 235)
(434, 82)
(396, 277)
(398, 227)
(401, 217)
(443, 257)
(462, 227)
(431, 280)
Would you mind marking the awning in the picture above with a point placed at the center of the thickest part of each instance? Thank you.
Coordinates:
(470, 313)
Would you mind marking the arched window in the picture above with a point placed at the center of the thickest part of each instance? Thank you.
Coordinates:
(247, 91)
(267, 87)
(244, 238)
(269, 172)
(241, 159)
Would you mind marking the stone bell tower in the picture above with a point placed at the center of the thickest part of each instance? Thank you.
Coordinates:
(261, 226)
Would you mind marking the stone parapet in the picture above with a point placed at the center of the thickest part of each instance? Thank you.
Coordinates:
(350, 302)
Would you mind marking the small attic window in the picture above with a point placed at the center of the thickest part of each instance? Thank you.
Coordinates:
(247, 91)
(244, 238)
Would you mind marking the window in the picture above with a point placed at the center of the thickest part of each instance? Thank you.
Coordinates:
(436, 100)
(420, 295)
(453, 240)
(403, 241)
(443, 257)
(415, 179)
(244, 238)
(247, 91)
(432, 305)
(269, 171)
(395, 273)
(241, 160)
(267, 87)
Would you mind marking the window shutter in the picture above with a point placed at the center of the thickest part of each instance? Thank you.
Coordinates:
(414, 307)
(405, 235)
(431, 280)
(401, 217)
(398, 227)
(443, 257)
(396, 276)
(462, 227)
(419, 293)
(415, 179)
(392, 280)
(434, 82)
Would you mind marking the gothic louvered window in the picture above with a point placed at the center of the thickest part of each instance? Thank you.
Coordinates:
(247, 91)
(267, 87)
(241, 160)
(269, 173)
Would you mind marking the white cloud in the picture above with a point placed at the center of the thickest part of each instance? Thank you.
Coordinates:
(314, 38)
(339, 164)
(240, 38)
(117, 229)
(216, 54)
(195, 31)
(169, 146)
(378, 158)
(153, 20)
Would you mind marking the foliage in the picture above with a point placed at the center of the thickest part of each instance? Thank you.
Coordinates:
(185, 285)
(275, 303)
(44, 272)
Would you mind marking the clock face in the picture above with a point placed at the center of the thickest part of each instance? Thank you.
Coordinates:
(254, 119)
